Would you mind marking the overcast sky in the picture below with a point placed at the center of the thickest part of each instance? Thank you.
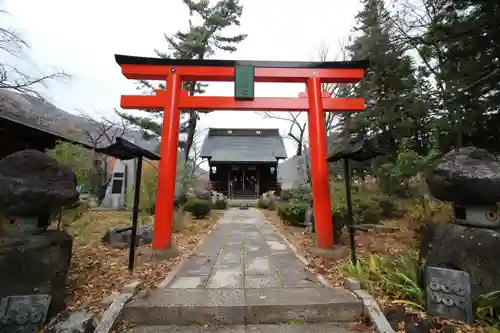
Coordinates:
(81, 38)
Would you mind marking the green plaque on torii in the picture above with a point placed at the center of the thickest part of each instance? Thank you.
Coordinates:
(244, 82)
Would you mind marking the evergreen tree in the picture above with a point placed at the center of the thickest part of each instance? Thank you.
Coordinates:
(199, 42)
(468, 31)
(457, 44)
(433, 83)
(389, 84)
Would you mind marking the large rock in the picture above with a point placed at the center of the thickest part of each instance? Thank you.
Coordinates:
(33, 183)
(474, 250)
(116, 238)
(468, 175)
(36, 264)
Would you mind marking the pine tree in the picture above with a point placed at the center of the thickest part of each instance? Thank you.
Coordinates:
(389, 83)
(199, 42)
(467, 30)
(457, 44)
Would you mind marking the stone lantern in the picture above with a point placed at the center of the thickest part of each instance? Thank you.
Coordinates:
(469, 178)
(34, 261)
(33, 186)
(477, 215)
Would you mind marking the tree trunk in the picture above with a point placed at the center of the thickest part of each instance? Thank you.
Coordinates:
(300, 143)
(193, 120)
(299, 150)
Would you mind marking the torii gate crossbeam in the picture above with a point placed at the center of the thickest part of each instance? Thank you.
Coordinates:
(174, 72)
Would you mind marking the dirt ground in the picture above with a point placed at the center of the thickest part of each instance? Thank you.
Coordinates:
(383, 242)
(97, 270)
(393, 243)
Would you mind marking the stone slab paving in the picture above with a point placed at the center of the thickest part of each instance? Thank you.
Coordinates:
(243, 273)
(243, 252)
(283, 328)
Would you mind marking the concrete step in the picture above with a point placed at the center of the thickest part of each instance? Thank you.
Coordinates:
(238, 306)
(282, 328)
(238, 202)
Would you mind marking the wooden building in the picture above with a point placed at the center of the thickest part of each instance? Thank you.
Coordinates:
(243, 163)
(19, 134)
(28, 122)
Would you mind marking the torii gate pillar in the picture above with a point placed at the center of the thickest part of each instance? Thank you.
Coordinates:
(175, 71)
(322, 208)
(165, 197)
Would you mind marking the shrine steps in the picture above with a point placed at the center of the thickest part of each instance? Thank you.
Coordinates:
(281, 328)
(243, 306)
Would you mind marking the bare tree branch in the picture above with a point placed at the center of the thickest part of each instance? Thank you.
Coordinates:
(195, 159)
(13, 45)
(411, 31)
(298, 126)
(99, 133)
(103, 131)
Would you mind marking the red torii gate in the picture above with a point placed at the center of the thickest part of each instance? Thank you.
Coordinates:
(244, 74)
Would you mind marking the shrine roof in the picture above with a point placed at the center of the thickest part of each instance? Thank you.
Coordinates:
(262, 145)
(132, 60)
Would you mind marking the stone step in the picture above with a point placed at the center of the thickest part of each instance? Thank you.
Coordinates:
(282, 328)
(238, 202)
(238, 306)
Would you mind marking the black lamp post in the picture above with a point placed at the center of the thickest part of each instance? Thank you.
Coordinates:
(359, 151)
(125, 150)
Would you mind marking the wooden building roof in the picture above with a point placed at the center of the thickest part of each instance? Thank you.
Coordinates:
(19, 134)
(257, 145)
(31, 122)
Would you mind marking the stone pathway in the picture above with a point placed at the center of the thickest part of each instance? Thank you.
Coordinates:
(243, 252)
(246, 278)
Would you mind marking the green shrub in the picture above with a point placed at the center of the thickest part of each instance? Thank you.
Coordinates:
(199, 208)
(147, 199)
(302, 193)
(369, 205)
(488, 311)
(220, 204)
(79, 160)
(398, 280)
(286, 195)
(365, 208)
(293, 213)
(394, 177)
(388, 206)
